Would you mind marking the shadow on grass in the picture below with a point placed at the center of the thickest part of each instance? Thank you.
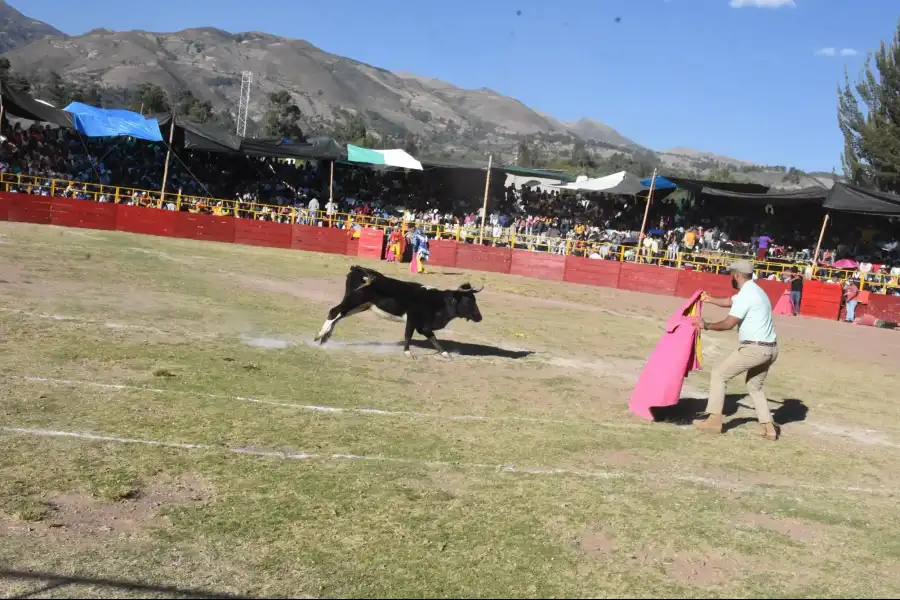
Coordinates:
(789, 411)
(453, 347)
(45, 582)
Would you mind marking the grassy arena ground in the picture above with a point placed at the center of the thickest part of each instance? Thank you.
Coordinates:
(554, 490)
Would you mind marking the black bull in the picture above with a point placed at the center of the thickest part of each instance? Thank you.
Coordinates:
(426, 310)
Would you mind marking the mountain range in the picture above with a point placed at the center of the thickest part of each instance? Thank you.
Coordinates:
(208, 62)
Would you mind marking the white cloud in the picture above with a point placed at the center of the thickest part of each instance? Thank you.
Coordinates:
(761, 3)
(829, 51)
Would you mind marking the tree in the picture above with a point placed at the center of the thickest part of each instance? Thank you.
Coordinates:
(524, 153)
(12, 80)
(199, 111)
(150, 98)
(581, 156)
(351, 129)
(869, 119)
(283, 117)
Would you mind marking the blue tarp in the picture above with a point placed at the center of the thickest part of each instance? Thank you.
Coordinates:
(661, 183)
(105, 122)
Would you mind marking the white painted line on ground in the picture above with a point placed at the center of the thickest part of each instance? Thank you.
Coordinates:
(538, 471)
(330, 409)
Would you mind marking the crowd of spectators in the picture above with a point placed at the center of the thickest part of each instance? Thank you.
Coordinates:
(443, 203)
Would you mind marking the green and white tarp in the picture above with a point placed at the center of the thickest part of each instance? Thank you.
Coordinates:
(389, 158)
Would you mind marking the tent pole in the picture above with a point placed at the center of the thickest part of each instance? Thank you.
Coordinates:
(815, 257)
(647, 209)
(331, 183)
(162, 193)
(487, 188)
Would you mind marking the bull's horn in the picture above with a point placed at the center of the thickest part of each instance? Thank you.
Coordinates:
(474, 291)
(467, 288)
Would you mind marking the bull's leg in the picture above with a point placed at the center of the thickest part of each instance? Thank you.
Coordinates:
(437, 345)
(407, 338)
(338, 313)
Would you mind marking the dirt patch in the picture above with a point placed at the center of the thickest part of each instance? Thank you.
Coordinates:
(693, 568)
(595, 543)
(79, 516)
(792, 528)
(315, 289)
(163, 256)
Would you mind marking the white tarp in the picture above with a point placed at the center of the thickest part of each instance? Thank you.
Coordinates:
(399, 158)
(621, 183)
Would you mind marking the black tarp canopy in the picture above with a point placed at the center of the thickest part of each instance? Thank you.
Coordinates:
(317, 148)
(808, 195)
(698, 186)
(849, 198)
(19, 104)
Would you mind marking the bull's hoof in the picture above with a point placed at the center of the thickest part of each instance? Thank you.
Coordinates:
(409, 354)
(446, 355)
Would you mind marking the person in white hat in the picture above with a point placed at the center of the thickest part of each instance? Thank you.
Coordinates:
(751, 311)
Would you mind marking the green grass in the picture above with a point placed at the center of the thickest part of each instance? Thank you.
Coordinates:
(598, 503)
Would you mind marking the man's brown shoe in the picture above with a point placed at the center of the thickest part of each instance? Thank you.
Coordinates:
(711, 424)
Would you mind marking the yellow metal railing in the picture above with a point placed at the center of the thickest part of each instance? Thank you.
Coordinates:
(705, 261)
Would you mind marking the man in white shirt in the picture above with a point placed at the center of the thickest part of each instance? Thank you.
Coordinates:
(750, 311)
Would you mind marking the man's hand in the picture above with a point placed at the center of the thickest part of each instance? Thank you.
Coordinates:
(704, 297)
(699, 324)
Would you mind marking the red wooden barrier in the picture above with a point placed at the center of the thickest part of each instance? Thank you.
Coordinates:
(262, 233)
(147, 221)
(637, 277)
(883, 307)
(540, 265)
(773, 289)
(483, 258)
(717, 286)
(442, 253)
(820, 299)
(204, 227)
(588, 271)
(319, 239)
(29, 209)
(371, 244)
(68, 212)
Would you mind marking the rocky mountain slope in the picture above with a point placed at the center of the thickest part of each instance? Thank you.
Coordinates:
(17, 30)
(326, 87)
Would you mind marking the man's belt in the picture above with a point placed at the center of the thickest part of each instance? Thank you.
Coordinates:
(763, 344)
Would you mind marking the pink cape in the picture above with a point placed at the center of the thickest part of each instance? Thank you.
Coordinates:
(784, 305)
(414, 263)
(676, 355)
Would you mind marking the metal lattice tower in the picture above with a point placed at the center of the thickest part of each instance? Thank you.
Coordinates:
(244, 103)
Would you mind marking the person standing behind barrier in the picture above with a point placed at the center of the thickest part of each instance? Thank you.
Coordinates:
(751, 311)
(764, 243)
(851, 295)
(796, 290)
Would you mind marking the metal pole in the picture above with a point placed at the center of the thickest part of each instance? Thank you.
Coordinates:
(647, 208)
(162, 194)
(487, 188)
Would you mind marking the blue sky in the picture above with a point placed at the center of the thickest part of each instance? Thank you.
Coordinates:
(755, 82)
